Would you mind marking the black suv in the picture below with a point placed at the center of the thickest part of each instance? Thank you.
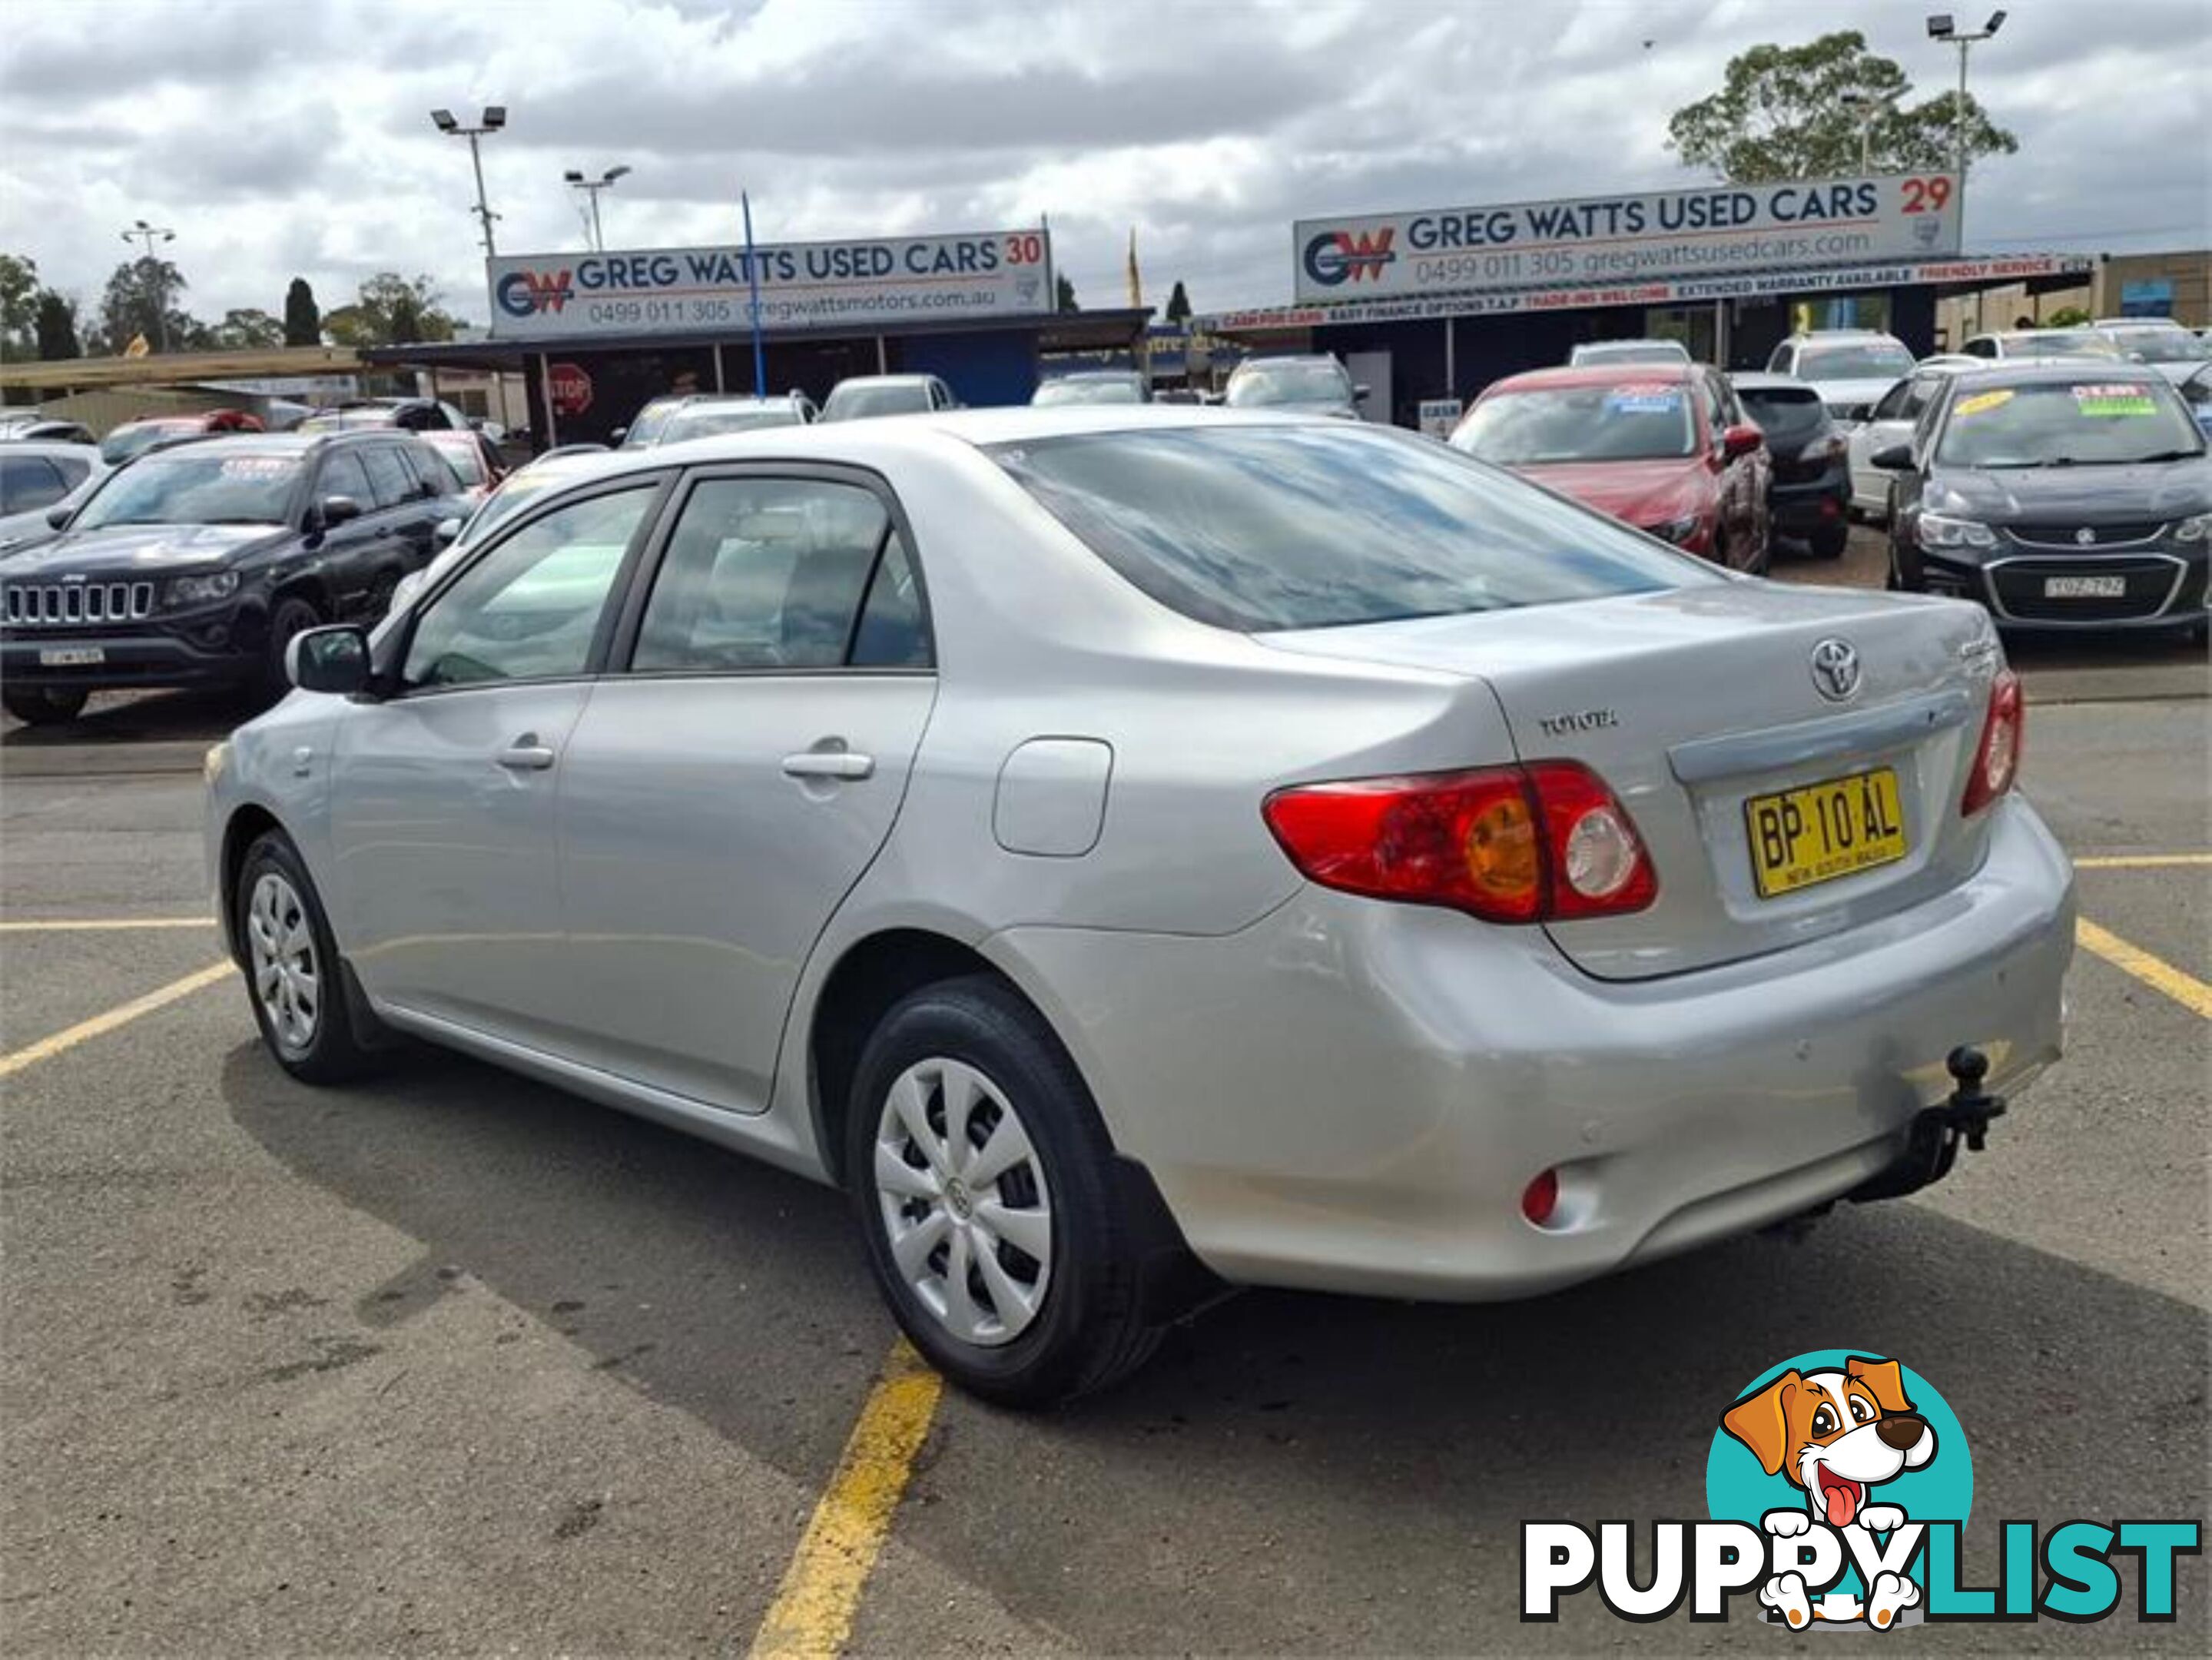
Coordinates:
(194, 566)
(1811, 491)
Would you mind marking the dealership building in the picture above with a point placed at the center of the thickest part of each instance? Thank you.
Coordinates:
(597, 335)
(1427, 307)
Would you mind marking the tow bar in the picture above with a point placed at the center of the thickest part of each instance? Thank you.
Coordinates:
(1931, 1145)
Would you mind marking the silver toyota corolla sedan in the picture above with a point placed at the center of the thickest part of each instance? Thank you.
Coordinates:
(1137, 850)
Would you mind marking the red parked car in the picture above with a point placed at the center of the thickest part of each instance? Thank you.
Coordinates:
(1665, 447)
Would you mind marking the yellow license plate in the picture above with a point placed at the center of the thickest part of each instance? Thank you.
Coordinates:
(1823, 832)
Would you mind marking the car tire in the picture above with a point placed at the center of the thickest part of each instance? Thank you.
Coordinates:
(292, 614)
(1829, 541)
(295, 978)
(43, 706)
(1043, 1328)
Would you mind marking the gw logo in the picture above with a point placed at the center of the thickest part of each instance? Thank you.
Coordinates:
(1336, 256)
(527, 293)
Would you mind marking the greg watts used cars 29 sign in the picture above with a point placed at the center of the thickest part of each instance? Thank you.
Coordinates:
(1610, 238)
(870, 284)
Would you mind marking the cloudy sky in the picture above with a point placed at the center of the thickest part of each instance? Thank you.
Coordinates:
(284, 136)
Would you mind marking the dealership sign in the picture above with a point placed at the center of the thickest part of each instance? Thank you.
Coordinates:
(1681, 292)
(868, 284)
(1712, 230)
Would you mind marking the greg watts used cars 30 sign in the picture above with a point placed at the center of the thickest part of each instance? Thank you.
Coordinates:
(1613, 239)
(802, 285)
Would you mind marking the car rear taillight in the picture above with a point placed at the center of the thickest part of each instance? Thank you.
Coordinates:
(1996, 758)
(1546, 841)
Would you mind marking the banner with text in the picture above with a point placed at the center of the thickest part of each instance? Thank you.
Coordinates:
(866, 284)
(1685, 291)
(1713, 230)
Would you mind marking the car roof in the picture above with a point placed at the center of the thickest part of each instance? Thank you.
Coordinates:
(1289, 357)
(949, 433)
(1760, 381)
(883, 380)
(2059, 371)
(1842, 334)
(1561, 377)
(1092, 374)
(57, 449)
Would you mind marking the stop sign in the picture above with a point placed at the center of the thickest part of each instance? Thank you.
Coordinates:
(571, 388)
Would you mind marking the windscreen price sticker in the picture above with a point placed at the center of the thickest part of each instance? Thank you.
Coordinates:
(2113, 402)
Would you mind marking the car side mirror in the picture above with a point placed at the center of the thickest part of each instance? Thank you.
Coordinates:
(332, 660)
(617, 435)
(57, 518)
(332, 510)
(1893, 458)
(447, 532)
(1359, 394)
(1740, 440)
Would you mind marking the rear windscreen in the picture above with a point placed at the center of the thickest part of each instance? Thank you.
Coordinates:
(1264, 527)
(1790, 414)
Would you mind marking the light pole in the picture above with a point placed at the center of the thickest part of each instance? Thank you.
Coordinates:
(1940, 27)
(592, 187)
(495, 118)
(140, 230)
(1870, 106)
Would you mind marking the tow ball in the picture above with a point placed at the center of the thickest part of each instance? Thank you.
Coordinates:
(1931, 1145)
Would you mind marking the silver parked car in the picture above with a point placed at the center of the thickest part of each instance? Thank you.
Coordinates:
(1132, 850)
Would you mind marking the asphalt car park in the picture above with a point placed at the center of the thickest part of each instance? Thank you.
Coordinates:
(456, 1361)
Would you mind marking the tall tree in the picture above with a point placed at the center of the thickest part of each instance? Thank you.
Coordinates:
(1178, 304)
(19, 304)
(303, 321)
(56, 327)
(140, 298)
(249, 329)
(1065, 295)
(390, 311)
(1781, 114)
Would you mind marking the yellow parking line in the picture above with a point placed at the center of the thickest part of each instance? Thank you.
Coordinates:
(2156, 972)
(2141, 861)
(104, 924)
(122, 1015)
(813, 1613)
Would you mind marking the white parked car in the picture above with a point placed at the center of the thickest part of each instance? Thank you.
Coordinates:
(1891, 421)
(1851, 368)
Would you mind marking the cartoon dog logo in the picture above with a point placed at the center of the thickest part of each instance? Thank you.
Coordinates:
(1836, 1435)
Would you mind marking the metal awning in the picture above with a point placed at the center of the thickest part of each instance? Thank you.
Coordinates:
(1056, 331)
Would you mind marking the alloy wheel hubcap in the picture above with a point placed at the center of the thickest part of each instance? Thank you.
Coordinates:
(287, 979)
(965, 1207)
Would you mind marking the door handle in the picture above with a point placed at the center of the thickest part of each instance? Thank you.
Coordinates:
(829, 763)
(526, 757)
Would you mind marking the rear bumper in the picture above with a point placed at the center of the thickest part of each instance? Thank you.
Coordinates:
(1351, 1096)
(1802, 505)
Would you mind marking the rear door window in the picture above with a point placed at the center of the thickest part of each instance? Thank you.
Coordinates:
(389, 480)
(1255, 528)
(770, 574)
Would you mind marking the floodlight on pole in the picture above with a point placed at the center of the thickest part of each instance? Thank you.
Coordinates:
(1942, 26)
(495, 118)
(577, 180)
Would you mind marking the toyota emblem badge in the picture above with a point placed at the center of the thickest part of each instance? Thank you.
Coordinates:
(1836, 669)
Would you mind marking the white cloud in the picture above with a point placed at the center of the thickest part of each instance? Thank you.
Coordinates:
(283, 138)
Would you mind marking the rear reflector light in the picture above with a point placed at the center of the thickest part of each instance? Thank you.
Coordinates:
(1996, 758)
(1540, 1198)
(1542, 843)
